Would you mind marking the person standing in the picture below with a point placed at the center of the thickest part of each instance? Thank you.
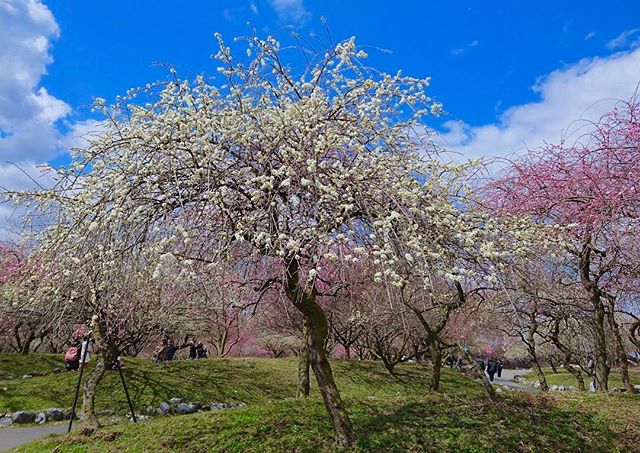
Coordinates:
(492, 367)
(500, 365)
(193, 350)
(170, 351)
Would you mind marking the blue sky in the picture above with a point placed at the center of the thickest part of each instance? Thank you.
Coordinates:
(511, 74)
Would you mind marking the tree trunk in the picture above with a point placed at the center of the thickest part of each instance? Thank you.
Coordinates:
(531, 347)
(90, 385)
(324, 376)
(303, 364)
(436, 362)
(89, 392)
(576, 374)
(602, 369)
(479, 372)
(621, 353)
(305, 301)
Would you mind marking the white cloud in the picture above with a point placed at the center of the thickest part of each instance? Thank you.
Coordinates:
(589, 35)
(28, 113)
(461, 50)
(626, 39)
(254, 8)
(291, 11)
(583, 91)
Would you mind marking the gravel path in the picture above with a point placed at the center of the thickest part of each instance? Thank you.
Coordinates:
(14, 437)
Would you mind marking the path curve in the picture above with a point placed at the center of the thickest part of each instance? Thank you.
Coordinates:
(507, 380)
(14, 437)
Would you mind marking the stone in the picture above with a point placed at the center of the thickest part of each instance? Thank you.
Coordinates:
(184, 408)
(175, 401)
(242, 405)
(562, 388)
(6, 421)
(23, 417)
(150, 410)
(196, 404)
(164, 408)
(217, 406)
(57, 371)
(55, 414)
(537, 384)
(637, 387)
(41, 418)
(105, 412)
(67, 415)
(27, 376)
(553, 388)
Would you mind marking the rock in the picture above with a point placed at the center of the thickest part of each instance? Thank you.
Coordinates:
(67, 415)
(619, 390)
(55, 414)
(197, 405)
(537, 384)
(41, 418)
(175, 401)
(23, 417)
(142, 418)
(242, 405)
(217, 406)
(10, 377)
(57, 371)
(6, 421)
(150, 410)
(561, 388)
(184, 408)
(164, 408)
(27, 376)
(637, 387)
(105, 412)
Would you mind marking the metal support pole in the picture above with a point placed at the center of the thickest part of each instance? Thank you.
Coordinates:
(126, 391)
(75, 397)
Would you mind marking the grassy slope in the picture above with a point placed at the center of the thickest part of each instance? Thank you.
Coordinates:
(389, 414)
(563, 377)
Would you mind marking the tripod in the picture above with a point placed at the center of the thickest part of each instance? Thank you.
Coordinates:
(75, 397)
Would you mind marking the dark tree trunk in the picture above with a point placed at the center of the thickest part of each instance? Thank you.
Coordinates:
(576, 374)
(478, 371)
(621, 353)
(89, 392)
(303, 364)
(318, 331)
(602, 369)
(531, 348)
(436, 362)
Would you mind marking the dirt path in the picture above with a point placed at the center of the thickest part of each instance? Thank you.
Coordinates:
(14, 437)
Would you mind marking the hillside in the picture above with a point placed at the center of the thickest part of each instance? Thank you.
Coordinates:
(389, 413)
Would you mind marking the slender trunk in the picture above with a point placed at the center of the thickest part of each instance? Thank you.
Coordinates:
(89, 392)
(324, 376)
(576, 374)
(305, 301)
(303, 364)
(90, 385)
(347, 352)
(436, 362)
(553, 366)
(531, 347)
(621, 353)
(602, 369)
(479, 372)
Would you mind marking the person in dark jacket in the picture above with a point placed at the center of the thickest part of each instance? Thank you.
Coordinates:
(193, 350)
(492, 368)
(500, 365)
(170, 350)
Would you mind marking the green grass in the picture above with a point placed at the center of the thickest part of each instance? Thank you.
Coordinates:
(389, 413)
(563, 377)
(17, 365)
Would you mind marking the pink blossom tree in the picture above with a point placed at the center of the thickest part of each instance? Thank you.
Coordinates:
(590, 187)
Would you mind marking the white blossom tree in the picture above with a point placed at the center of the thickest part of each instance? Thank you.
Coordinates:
(272, 164)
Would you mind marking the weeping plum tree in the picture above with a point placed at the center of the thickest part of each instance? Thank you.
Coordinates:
(590, 187)
(268, 164)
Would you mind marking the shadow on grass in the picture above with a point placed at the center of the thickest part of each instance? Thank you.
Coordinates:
(514, 425)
